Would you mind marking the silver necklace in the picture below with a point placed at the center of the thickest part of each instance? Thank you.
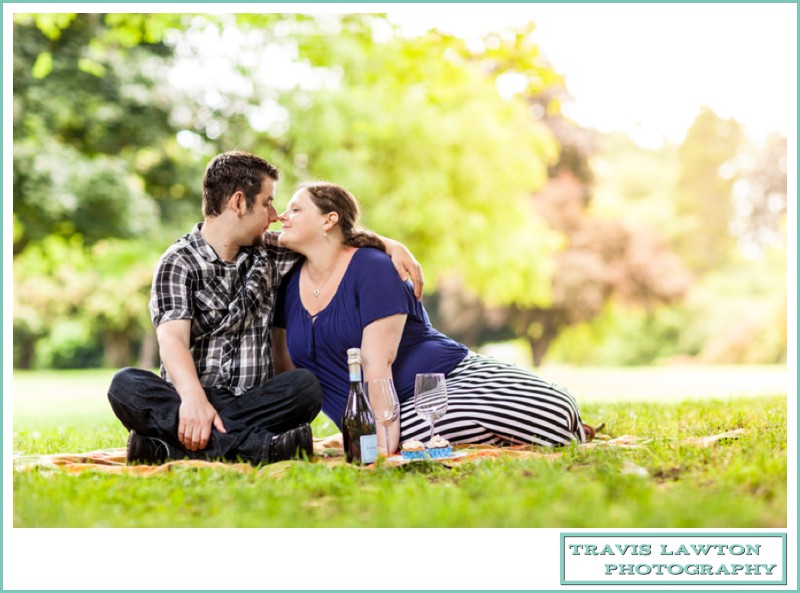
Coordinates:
(316, 292)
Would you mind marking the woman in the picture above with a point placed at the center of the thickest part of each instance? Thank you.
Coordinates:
(346, 294)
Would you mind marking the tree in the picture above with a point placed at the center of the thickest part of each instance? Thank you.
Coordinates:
(600, 259)
(603, 261)
(94, 150)
(414, 127)
(89, 127)
(102, 290)
(444, 143)
(418, 131)
(759, 196)
(704, 204)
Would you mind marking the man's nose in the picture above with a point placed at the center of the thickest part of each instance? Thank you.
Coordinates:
(273, 215)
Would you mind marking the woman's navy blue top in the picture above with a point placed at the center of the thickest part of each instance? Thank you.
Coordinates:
(370, 290)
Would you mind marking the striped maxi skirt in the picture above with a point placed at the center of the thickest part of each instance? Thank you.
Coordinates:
(497, 403)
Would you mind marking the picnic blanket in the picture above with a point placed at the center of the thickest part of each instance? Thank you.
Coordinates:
(328, 451)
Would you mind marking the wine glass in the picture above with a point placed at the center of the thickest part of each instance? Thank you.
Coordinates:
(430, 396)
(385, 405)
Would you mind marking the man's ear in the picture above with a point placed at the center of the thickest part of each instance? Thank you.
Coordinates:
(237, 203)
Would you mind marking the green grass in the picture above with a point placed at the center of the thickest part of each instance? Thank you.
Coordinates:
(665, 484)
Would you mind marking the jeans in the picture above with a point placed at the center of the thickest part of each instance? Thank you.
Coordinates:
(146, 403)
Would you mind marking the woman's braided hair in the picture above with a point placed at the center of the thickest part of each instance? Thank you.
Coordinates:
(330, 197)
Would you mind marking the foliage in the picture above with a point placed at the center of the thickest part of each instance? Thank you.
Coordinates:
(105, 108)
(733, 313)
(62, 193)
(667, 483)
(703, 198)
(414, 127)
(95, 149)
(115, 117)
(739, 313)
(759, 196)
(636, 184)
(418, 132)
(621, 336)
(69, 343)
(93, 169)
(60, 285)
(603, 261)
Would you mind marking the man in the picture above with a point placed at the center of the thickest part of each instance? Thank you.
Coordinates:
(212, 301)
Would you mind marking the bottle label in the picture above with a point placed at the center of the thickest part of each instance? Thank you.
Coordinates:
(369, 448)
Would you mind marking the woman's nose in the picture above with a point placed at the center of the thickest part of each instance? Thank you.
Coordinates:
(282, 216)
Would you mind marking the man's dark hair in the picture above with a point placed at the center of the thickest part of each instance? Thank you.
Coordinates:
(230, 172)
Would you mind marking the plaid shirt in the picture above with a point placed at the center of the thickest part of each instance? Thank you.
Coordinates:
(230, 305)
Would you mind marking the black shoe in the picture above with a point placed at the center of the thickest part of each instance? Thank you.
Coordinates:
(292, 444)
(147, 450)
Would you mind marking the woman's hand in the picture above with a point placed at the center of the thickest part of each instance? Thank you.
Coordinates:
(406, 264)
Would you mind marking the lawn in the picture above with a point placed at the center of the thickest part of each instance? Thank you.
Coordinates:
(666, 483)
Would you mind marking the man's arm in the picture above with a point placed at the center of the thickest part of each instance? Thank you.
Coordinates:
(405, 263)
(280, 351)
(196, 414)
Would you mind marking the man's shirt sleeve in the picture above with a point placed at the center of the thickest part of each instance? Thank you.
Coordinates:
(283, 258)
(171, 296)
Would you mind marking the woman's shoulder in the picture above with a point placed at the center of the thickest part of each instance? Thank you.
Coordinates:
(370, 256)
(369, 264)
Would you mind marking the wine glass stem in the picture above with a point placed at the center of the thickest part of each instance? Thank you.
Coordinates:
(431, 428)
(386, 436)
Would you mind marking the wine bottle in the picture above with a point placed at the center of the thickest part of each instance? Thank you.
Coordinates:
(359, 431)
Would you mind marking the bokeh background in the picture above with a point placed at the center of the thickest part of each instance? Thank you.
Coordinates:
(549, 235)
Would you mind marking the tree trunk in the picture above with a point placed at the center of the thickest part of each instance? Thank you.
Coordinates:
(116, 349)
(538, 350)
(540, 345)
(27, 350)
(148, 352)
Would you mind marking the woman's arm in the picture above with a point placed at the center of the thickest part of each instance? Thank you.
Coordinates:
(379, 342)
(280, 351)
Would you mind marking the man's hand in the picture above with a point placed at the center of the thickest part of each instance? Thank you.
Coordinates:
(195, 418)
(405, 264)
(196, 414)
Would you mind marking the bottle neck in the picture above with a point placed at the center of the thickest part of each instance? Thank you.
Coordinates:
(355, 372)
